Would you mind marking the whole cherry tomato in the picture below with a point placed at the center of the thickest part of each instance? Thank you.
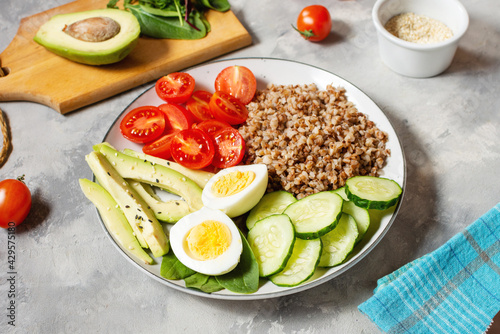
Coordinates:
(314, 23)
(15, 202)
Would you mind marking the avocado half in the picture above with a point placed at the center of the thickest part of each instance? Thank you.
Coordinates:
(65, 35)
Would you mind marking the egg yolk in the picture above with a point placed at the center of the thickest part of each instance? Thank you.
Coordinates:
(232, 183)
(208, 240)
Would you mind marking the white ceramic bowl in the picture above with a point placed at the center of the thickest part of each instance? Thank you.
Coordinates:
(413, 59)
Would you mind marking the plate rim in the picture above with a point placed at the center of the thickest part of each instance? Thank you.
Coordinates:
(287, 291)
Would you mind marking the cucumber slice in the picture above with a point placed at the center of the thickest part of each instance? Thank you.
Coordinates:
(271, 240)
(338, 244)
(315, 215)
(372, 192)
(301, 265)
(270, 204)
(360, 215)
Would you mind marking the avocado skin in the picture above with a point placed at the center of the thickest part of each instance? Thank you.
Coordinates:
(51, 36)
(138, 214)
(154, 174)
(114, 219)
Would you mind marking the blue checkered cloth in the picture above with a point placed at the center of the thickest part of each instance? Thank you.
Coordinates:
(455, 289)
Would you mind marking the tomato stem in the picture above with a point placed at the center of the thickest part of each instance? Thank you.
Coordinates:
(21, 178)
(306, 33)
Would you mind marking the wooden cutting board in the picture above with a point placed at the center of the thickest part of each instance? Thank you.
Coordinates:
(37, 75)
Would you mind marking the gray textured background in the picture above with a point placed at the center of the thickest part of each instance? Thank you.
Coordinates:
(71, 279)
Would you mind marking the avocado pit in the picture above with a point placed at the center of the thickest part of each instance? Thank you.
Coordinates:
(93, 29)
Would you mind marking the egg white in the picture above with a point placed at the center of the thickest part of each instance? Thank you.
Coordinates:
(243, 201)
(221, 264)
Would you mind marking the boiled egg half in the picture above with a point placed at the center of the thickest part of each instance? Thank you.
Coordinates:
(207, 241)
(236, 190)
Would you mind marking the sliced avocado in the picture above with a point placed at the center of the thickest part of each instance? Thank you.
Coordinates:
(94, 37)
(167, 211)
(201, 177)
(114, 219)
(139, 215)
(157, 175)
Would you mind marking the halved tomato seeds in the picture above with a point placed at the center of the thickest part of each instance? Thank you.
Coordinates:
(211, 126)
(160, 148)
(229, 148)
(228, 108)
(177, 117)
(175, 87)
(237, 81)
(192, 148)
(198, 105)
(143, 124)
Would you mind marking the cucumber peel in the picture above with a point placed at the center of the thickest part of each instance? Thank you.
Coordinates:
(372, 192)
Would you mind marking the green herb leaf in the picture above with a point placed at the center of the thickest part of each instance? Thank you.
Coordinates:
(203, 282)
(245, 277)
(172, 268)
(168, 27)
(112, 4)
(218, 5)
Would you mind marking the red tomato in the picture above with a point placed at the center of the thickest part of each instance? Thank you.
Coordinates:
(198, 105)
(175, 87)
(237, 81)
(229, 148)
(15, 202)
(192, 148)
(314, 23)
(211, 126)
(177, 117)
(143, 124)
(161, 147)
(227, 108)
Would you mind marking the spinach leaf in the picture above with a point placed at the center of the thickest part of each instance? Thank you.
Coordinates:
(172, 268)
(168, 27)
(112, 4)
(219, 5)
(159, 12)
(203, 282)
(245, 277)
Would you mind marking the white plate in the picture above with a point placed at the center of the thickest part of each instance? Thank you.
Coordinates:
(277, 71)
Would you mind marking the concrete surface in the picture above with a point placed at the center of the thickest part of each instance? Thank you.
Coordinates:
(71, 279)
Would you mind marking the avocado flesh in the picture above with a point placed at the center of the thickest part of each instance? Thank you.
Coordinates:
(166, 211)
(139, 215)
(51, 35)
(157, 175)
(201, 177)
(114, 219)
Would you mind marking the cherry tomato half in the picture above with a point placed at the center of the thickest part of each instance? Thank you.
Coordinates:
(15, 202)
(228, 108)
(314, 23)
(229, 148)
(198, 105)
(175, 87)
(211, 126)
(237, 81)
(160, 148)
(143, 124)
(192, 148)
(176, 117)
